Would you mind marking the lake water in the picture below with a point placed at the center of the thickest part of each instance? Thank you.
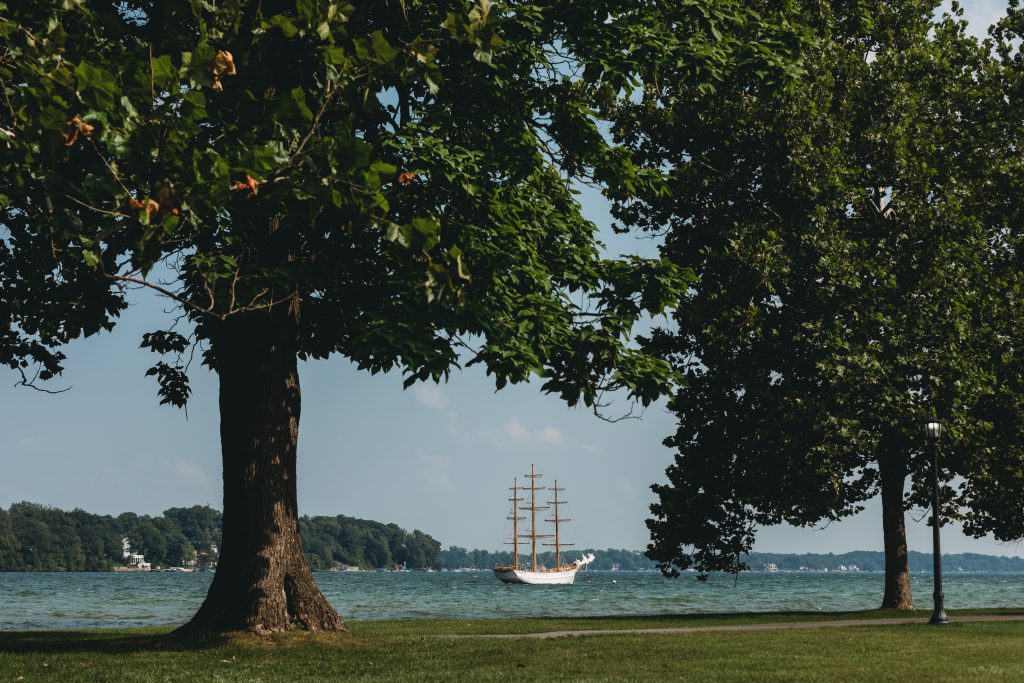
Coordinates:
(72, 600)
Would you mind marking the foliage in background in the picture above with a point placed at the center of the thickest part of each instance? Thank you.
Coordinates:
(995, 493)
(871, 561)
(39, 538)
(333, 541)
(36, 537)
(855, 278)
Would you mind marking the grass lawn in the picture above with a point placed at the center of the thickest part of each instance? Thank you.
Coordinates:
(420, 650)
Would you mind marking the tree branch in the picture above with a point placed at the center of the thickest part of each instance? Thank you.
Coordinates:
(30, 383)
(251, 306)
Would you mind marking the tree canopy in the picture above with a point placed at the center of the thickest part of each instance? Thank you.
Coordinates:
(852, 282)
(401, 168)
(389, 181)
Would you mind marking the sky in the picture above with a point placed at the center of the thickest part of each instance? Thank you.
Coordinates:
(435, 457)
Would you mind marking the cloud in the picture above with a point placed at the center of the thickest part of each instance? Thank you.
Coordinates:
(188, 473)
(514, 430)
(453, 429)
(435, 472)
(430, 396)
(551, 436)
(591, 449)
(515, 433)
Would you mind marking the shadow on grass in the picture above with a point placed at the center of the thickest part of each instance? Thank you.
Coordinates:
(800, 615)
(761, 617)
(128, 641)
(150, 639)
(737, 616)
(514, 625)
(106, 642)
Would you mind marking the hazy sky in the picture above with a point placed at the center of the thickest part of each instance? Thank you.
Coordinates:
(435, 458)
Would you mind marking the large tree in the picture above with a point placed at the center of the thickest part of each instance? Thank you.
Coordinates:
(993, 497)
(390, 181)
(842, 233)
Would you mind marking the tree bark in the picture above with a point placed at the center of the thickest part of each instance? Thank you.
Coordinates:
(893, 473)
(263, 582)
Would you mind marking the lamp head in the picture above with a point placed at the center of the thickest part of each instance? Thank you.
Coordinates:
(933, 429)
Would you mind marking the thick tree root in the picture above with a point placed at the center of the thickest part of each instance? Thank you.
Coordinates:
(270, 606)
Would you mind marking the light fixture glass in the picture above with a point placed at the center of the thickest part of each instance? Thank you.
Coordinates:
(933, 429)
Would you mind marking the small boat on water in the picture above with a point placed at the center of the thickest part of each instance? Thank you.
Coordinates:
(535, 574)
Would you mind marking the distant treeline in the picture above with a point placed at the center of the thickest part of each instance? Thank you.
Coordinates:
(634, 560)
(627, 560)
(333, 541)
(869, 561)
(40, 538)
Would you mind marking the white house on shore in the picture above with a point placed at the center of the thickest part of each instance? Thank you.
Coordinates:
(135, 561)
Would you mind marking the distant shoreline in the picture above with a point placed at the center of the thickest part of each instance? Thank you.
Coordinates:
(853, 561)
(928, 571)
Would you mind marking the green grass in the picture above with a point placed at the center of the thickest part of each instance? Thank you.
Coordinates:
(412, 627)
(421, 650)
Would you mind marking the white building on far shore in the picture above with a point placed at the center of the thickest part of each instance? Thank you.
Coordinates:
(135, 561)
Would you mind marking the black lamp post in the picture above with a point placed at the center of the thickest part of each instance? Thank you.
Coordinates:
(933, 432)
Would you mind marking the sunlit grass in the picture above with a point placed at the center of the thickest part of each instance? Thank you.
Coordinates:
(422, 650)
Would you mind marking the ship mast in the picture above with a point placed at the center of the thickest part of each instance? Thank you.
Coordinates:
(533, 476)
(515, 523)
(558, 521)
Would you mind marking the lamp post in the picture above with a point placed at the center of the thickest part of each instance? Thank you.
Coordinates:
(933, 432)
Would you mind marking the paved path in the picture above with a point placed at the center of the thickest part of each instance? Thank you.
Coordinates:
(776, 626)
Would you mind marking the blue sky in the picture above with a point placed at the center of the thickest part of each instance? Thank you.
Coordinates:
(436, 458)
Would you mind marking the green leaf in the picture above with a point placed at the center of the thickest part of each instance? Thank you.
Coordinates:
(299, 98)
(97, 82)
(429, 229)
(198, 65)
(164, 73)
(336, 55)
(383, 168)
(170, 223)
(382, 48)
(281, 22)
(353, 154)
(267, 158)
(194, 106)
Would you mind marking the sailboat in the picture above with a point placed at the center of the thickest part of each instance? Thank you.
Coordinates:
(560, 574)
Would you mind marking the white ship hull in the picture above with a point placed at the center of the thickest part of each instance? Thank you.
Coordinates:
(552, 578)
(559, 575)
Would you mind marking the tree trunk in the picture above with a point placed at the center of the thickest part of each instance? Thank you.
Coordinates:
(893, 472)
(263, 582)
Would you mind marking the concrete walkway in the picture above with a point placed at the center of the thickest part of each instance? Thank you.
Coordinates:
(777, 626)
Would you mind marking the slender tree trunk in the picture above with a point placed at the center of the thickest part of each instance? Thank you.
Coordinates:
(893, 472)
(263, 582)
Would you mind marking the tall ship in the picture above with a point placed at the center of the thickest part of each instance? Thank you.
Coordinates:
(535, 574)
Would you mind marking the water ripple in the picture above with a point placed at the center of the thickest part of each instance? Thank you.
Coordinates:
(84, 600)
